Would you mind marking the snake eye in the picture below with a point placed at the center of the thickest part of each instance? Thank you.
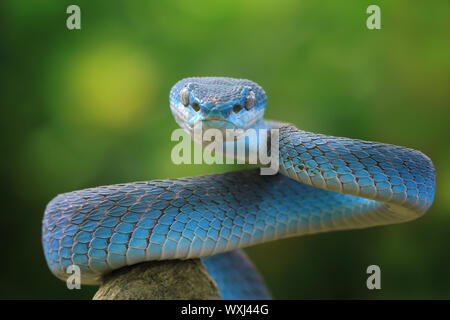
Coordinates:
(195, 106)
(250, 101)
(184, 96)
(237, 108)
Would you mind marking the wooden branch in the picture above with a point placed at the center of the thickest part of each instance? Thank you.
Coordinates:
(155, 280)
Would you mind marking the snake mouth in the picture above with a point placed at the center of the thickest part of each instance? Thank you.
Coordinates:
(214, 123)
(218, 123)
(229, 130)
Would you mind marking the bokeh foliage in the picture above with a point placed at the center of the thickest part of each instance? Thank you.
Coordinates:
(90, 107)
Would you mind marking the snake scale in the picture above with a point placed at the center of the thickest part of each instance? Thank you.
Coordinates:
(325, 183)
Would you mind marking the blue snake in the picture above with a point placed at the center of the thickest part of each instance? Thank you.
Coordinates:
(325, 183)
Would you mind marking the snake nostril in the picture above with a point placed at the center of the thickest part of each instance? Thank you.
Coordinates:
(195, 106)
(237, 108)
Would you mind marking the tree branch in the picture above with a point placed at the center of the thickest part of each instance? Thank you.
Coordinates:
(155, 280)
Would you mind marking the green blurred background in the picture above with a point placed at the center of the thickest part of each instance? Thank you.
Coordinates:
(90, 107)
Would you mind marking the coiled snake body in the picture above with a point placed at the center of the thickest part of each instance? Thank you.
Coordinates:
(326, 183)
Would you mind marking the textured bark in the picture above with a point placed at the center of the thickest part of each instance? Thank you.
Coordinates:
(171, 279)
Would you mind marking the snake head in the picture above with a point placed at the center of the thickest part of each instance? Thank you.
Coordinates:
(217, 102)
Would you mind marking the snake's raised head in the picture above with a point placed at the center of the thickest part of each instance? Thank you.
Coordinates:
(217, 102)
